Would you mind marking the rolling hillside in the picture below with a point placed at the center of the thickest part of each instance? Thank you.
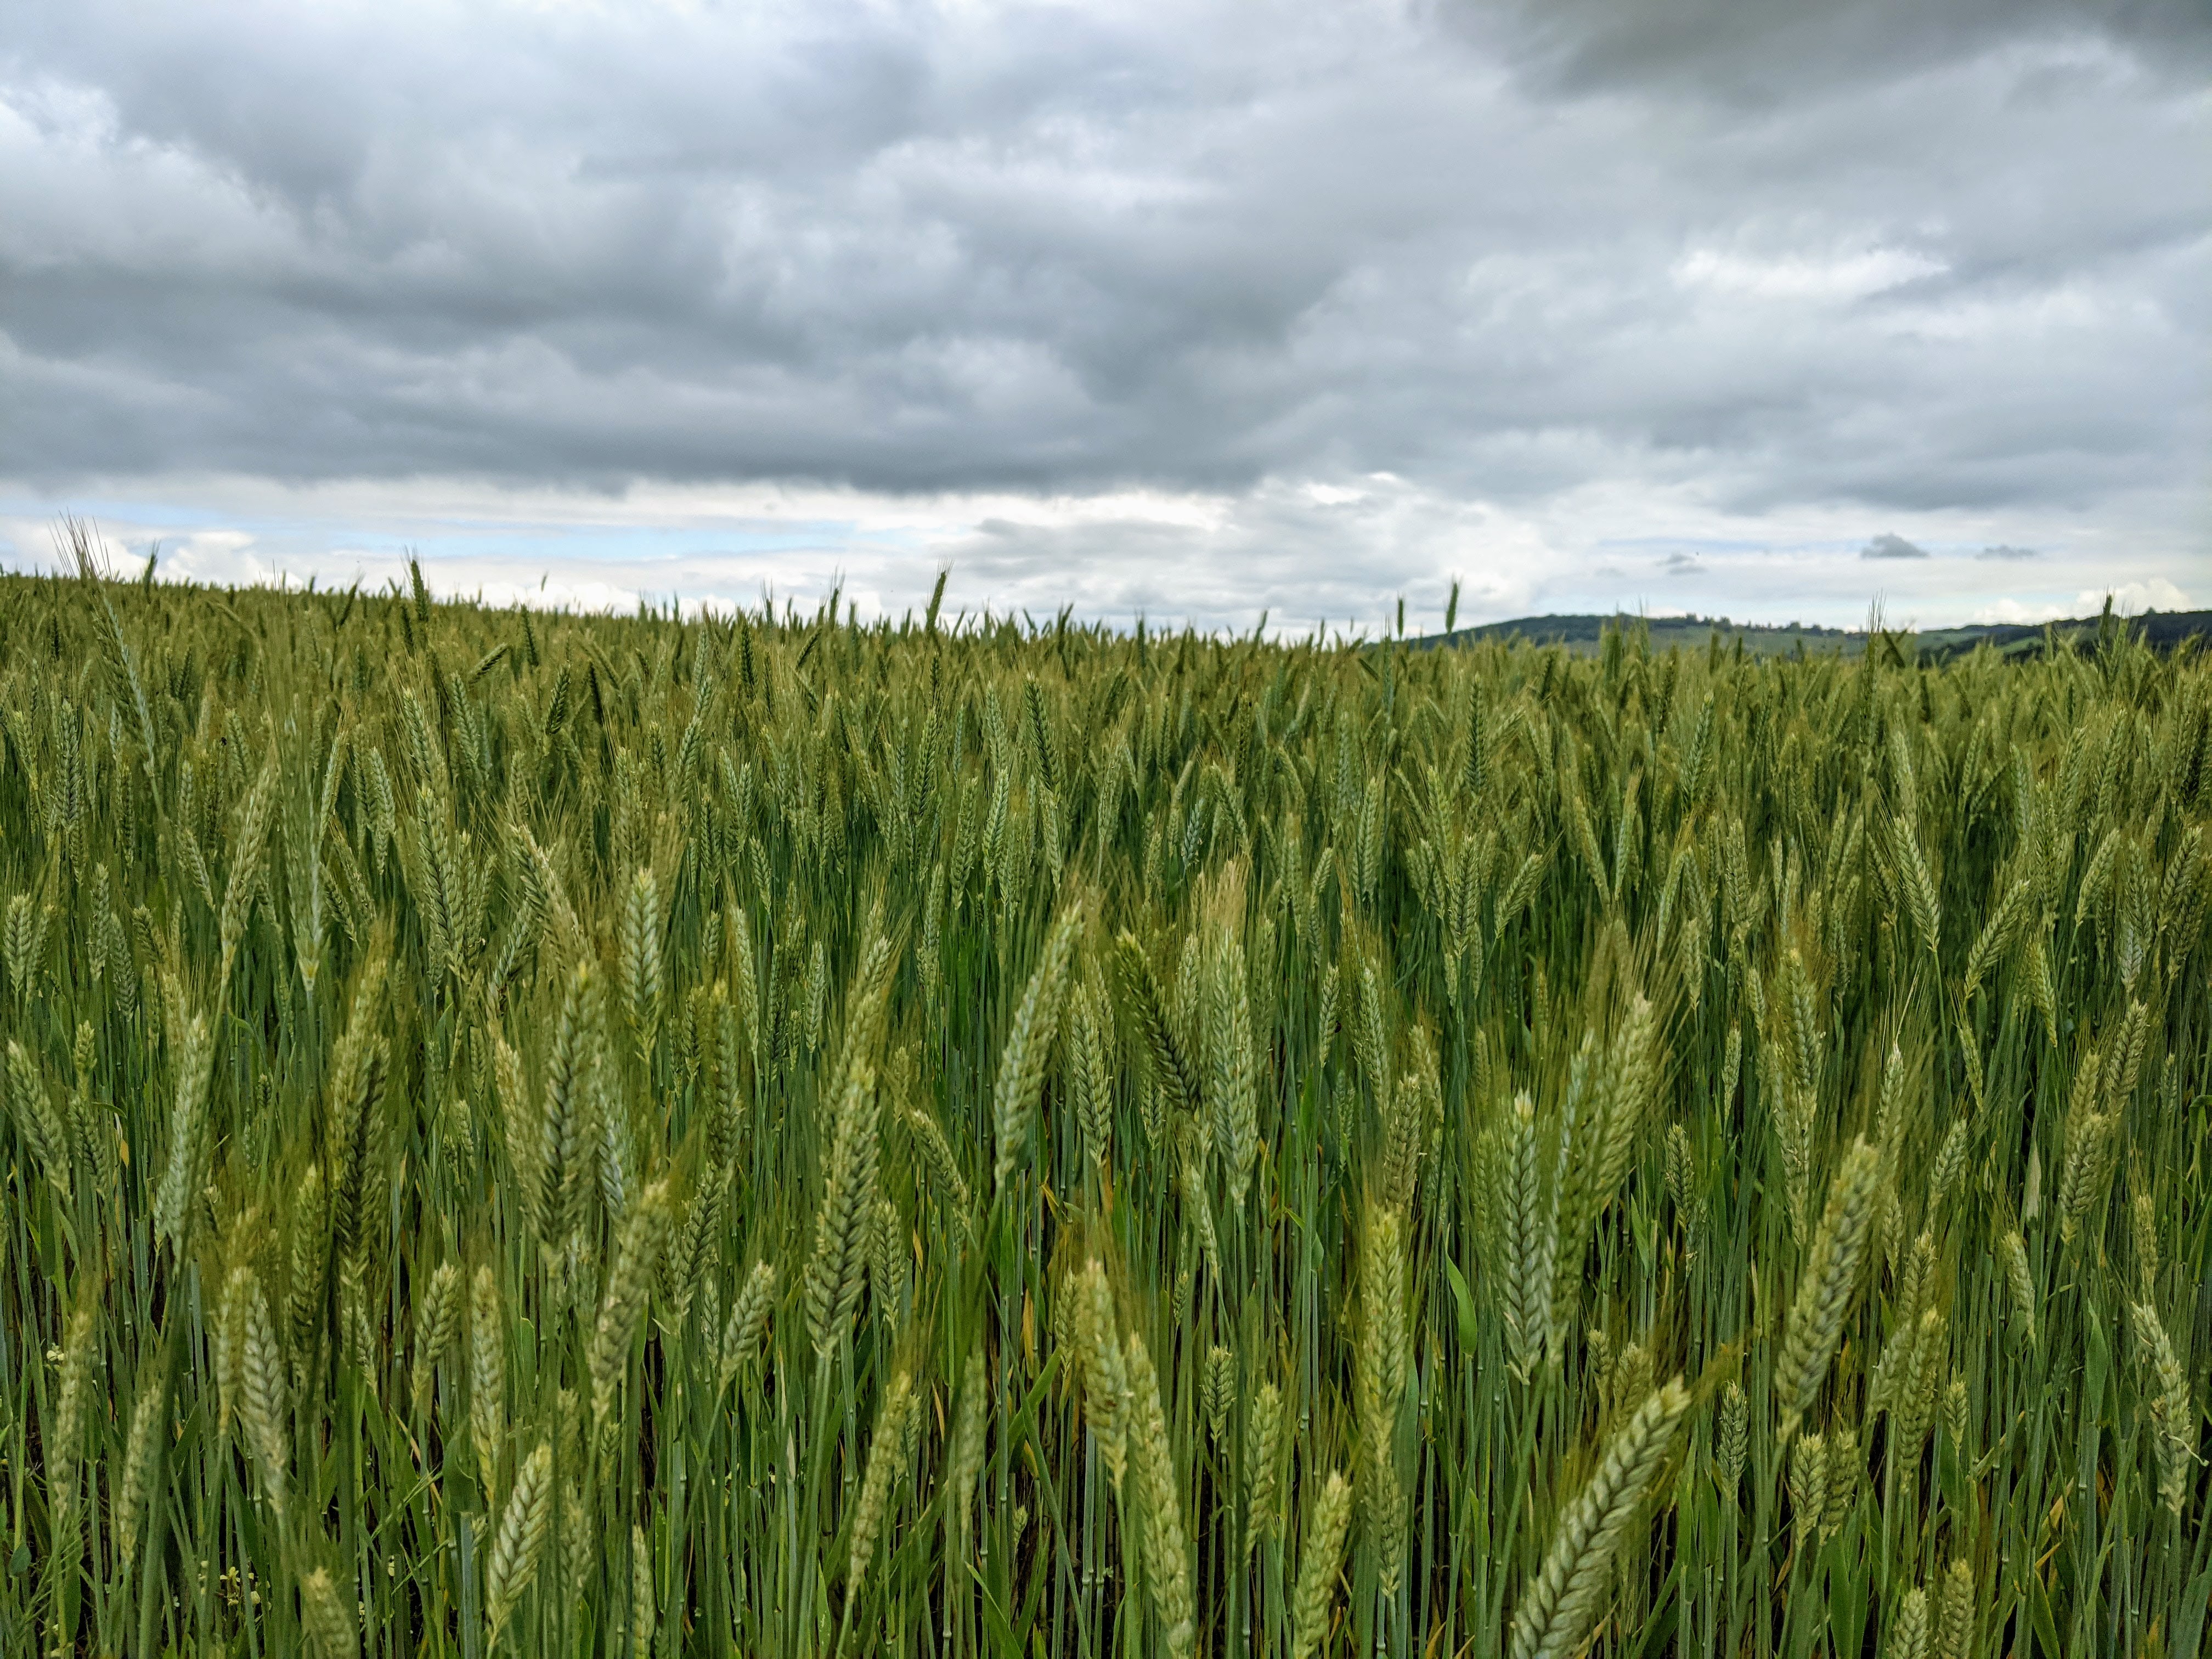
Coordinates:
(1583, 634)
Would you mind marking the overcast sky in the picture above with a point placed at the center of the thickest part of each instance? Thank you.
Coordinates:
(1191, 309)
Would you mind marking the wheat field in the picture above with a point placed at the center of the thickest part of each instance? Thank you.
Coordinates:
(540, 1133)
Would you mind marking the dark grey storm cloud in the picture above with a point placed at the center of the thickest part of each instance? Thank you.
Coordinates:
(1756, 51)
(1895, 255)
(1889, 546)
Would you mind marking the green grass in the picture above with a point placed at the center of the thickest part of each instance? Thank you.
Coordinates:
(557, 1134)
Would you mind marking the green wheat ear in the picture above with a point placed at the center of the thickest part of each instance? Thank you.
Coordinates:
(1828, 1284)
(1319, 1565)
(1563, 1601)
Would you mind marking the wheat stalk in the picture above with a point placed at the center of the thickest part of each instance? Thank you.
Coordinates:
(1022, 1064)
(520, 1540)
(1561, 1603)
(1828, 1284)
(1167, 1561)
(1319, 1564)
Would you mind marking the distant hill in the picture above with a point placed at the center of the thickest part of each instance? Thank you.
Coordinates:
(1582, 634)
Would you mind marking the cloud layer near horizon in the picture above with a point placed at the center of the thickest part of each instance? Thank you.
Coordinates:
(1191, 308)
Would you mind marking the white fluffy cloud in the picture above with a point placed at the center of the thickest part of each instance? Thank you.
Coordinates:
(1196, 309)
(2133, 598)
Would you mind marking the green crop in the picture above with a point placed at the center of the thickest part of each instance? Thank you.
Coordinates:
(540, 1133)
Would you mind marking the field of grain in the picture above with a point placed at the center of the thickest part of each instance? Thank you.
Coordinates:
(538, 1134)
